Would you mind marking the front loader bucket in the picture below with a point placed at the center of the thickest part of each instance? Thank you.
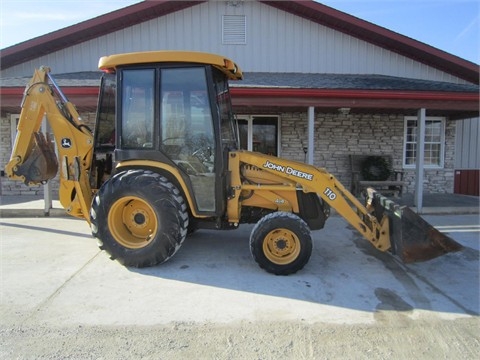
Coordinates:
(411, 237)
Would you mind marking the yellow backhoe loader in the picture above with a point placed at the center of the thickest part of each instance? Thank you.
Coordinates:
(164, 160)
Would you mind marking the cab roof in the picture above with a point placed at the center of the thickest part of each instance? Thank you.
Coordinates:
(227, 66)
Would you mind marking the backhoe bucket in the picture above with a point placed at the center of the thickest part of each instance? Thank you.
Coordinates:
(411, 237)
(41, 164)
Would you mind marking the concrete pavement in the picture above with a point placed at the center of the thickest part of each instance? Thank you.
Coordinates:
(53, 273)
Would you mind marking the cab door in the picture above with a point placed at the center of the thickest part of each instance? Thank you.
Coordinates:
(186, 130)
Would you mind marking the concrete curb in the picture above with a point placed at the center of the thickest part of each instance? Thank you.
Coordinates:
(13, 213)
(448, 210)
(33, 213)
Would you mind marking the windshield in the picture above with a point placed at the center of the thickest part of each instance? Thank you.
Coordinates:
(228, 130)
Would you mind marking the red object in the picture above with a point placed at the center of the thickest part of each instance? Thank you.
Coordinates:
(467, 182)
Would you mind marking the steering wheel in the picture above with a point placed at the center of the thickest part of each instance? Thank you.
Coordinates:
(203, 154)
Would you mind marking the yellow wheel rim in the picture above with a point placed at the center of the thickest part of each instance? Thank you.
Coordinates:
(132, 222)
(281, 246)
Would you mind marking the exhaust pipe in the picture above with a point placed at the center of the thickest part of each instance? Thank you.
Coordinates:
(412, 238)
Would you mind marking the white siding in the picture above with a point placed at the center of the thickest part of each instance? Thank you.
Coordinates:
(277, 41)
(467, 144)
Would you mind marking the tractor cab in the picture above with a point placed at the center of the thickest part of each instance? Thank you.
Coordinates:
(173, 111)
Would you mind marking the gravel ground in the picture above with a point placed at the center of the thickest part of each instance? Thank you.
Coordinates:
(456, 339)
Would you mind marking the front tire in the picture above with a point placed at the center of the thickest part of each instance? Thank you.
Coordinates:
(139, 218)
(281, 243)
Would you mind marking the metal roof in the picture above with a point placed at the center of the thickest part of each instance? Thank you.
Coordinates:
(348, 81)
(286, 81)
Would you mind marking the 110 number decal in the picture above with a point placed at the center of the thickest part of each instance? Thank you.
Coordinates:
(330, 194)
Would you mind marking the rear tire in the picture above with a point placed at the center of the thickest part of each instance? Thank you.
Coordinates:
(281, 243)
(139, 218)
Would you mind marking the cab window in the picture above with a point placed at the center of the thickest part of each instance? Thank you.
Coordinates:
(137, 108)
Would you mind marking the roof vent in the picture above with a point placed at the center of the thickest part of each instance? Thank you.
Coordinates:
(234, 29)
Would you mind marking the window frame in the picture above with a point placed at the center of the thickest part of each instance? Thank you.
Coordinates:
(250, 119)
(441, 143)
(14, 119)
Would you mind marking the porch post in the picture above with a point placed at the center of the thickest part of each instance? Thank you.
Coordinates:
(47, 188)
(250, 134)
(311, 121)
(419, 163)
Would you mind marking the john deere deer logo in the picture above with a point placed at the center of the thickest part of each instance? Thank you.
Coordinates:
(66, 143)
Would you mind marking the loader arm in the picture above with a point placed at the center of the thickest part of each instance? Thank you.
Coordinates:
(294, 175)
(33, 159)
(384, 224)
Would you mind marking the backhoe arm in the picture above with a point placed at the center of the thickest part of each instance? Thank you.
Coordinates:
(33, 158)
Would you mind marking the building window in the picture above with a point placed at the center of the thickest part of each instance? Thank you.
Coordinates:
(259, 133)
(234, 29)
(434, 142)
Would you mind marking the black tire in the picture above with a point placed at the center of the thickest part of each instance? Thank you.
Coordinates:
(192, 227)
(139, 218)
(280, 243)
(376, 168)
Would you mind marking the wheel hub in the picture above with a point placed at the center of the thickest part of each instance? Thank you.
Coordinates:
(132, 222)
(139, 218)
(281, 246)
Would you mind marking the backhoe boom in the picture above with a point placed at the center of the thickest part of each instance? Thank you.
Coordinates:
(33, 159)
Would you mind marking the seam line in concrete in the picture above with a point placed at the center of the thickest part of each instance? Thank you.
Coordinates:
(49, 299)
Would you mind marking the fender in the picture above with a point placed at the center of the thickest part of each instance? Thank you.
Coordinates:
(171, 172)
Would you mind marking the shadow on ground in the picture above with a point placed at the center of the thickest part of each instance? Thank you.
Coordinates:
(344, 270)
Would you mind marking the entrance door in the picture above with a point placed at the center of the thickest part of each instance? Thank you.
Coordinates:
(259, 133)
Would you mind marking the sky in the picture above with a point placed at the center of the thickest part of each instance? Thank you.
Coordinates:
(449, 25)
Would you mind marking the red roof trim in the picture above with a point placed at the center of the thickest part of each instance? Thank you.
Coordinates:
(462, 104)
(471, 100)
(358, 94)
(295, 92)
(67, 90)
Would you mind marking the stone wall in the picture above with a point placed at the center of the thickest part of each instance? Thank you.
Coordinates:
(336, 136)
(10, 187)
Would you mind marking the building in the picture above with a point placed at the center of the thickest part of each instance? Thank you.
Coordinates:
(319, 84)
